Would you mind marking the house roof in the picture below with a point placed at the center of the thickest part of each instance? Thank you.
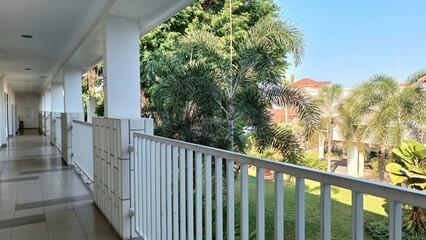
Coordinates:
(278, 115)
(308, 82)
(422, 79)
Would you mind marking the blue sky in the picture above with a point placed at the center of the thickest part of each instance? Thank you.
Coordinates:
(349, 41)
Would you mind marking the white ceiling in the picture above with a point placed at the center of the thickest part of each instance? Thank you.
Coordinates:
(64, 31)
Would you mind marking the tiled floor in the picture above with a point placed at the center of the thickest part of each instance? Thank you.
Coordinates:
(41, 198)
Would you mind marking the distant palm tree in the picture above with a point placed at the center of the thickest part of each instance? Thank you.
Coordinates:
(329, 99)
(380, 112)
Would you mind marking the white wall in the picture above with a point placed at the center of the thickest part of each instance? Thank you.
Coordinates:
(27, 109)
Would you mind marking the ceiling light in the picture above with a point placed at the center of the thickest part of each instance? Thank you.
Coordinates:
(27, 36)
(28, 69)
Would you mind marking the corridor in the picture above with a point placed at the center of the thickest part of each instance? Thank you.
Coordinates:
(41, 198)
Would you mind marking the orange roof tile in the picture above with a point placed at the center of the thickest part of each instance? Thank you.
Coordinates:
(422, 79)
(308, 82)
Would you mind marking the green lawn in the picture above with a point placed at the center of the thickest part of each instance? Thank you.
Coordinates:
(341, 209)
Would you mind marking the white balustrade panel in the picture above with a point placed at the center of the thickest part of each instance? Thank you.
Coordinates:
(82, 147)
(187, 191)
(58, 132)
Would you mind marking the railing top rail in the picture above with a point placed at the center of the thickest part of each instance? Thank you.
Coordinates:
(83, 123)
(396, 193)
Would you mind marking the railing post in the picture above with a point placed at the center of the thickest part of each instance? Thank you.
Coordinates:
(260, 203)
(244, 200)
(357, 215)
(279, 206)
(175, 194)
(230, 199)
(395, 219)
(325, 212)
(300, 208)
(219, 198)
(182, 181)
(198, 196)
(208, 202)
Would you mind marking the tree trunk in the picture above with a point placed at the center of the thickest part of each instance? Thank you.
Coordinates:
(230, 119)
(329, 140)
(381, 164)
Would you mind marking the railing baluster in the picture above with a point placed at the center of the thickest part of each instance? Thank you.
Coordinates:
(230, 199)
(244, 219)
(157, 189)
(169, 226)
(149, 187)
(357, 215)
(325, 212)
(219, 198)
(279, 206)
(300, 208)
(182, 168)
(199, 194)
(153, 218)
(395, 220)
(175, 162)
(163, 192)
(138, 184)
(208, 197)
(190, 191)
(143, 175)
(260, 203)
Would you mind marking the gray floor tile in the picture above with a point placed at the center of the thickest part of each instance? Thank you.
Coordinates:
(29, 229)
(103, 235)
(29, 212)
(71, 231)
(6, 234)
(33, 236)
(18, 179)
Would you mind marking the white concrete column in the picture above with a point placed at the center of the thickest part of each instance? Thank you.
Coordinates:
(352, 159)
(43, 102)
(3, 132)
(57, 99)
(361, 160)
(73, 102)
(122, 73)
(91, 107)
(321, 142)
(48, 100)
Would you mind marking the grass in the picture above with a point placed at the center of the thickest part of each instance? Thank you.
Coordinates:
(340, 209)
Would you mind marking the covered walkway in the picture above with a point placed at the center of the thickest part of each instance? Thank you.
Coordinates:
(42, 198)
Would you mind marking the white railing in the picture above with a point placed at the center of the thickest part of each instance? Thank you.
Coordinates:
(58, 132)
(168, 205)
(82, 147)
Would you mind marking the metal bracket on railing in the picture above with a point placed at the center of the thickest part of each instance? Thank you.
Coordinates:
(131, 148)
(131, 212)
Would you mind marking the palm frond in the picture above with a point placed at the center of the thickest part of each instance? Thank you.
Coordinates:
(291, 96)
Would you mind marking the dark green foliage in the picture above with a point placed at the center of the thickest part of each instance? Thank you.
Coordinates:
(410, 171)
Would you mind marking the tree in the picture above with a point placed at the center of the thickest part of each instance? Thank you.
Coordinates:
(329, 99)
(410, 171)
(206, 15)
(199, 88)
(380, 112)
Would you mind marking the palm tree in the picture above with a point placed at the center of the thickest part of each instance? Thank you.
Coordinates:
(198, 86)
(329, 99)
(380, 112)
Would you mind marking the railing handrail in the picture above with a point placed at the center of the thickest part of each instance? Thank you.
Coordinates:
(384, 190)
(82, 123)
